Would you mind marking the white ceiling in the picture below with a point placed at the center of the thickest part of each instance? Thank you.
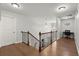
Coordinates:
(41, 9)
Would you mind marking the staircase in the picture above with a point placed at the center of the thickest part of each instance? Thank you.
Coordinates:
(45, 39)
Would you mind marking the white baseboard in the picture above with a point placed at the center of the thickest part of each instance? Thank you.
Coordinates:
(9, 44)
(77, 47)
(18, 42)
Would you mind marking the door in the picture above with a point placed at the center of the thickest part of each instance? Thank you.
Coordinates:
(7, 30)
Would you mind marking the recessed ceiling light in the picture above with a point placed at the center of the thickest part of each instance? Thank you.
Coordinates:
(16, 5)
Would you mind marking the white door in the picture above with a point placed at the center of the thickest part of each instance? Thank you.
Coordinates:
(7, 30)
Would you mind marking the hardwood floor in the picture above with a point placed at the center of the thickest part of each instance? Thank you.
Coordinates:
(62, 47)
(19, 49)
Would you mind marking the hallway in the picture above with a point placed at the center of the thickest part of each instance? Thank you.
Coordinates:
(38, 25)
(62, 47)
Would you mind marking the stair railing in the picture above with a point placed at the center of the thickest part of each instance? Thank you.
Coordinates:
(46, 39)
(30, 39)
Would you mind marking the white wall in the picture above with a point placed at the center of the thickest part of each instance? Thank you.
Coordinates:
(34, 24)
(0, 14)
(20, 25)
(40, 24)
(0, 20)
(77, 31)
(67, 24)
(58, 28)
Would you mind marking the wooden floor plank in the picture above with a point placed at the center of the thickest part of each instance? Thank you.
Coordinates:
(61, 47)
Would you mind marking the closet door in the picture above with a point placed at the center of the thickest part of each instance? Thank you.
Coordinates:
(7, 30)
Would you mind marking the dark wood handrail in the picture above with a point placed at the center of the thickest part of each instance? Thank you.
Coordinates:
(30, 34)
(40, 48)
(48, 32)
(33, 36)
(23, 32)
(45, 32)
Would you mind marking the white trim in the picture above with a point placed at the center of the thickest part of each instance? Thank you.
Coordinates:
(76, 46)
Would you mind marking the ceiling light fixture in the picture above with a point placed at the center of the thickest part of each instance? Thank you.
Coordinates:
(16, 5)
(62, 8)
